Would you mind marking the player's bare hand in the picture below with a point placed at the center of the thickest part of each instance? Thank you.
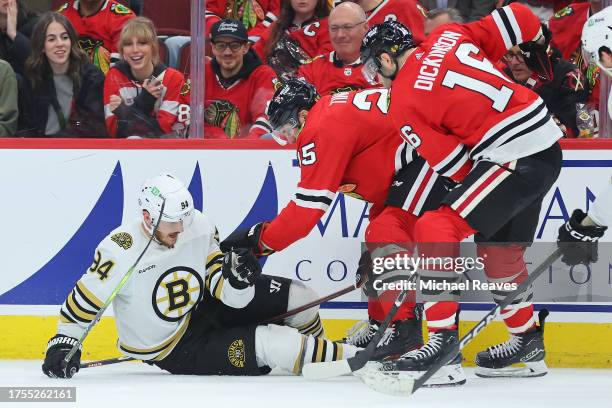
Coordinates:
(11, 19)
(114, 102)
(153, 86)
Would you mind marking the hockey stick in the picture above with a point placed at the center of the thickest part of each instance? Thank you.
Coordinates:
(329, 369)
(289, 313)
(407, 386)
(112, 296)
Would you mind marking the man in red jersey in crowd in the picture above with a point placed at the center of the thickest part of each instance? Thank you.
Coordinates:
(451, 103)
(238, 86)
(98, 24)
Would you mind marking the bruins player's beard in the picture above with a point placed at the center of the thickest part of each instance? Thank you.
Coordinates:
(162, 239)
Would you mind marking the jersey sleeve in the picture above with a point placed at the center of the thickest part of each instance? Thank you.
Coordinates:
(263, 90)
(93, 288)
(112, 83)
(601, 212)
(323, 161)
(215, 282)
(504, 28)
(445, 154)
(167, 116)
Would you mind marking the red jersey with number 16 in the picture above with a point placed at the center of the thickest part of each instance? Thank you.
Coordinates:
(448, 91)
(347, 145)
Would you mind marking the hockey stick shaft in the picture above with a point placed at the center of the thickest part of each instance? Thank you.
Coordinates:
(289, 313)
(114, 293)
(452, 352)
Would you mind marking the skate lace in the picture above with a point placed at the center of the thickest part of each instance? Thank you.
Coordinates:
(360, 332)
(507, 348)
(433, 345)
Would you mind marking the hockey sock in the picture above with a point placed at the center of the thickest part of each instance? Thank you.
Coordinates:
(286, 348)
(313, 327)
(307, 321)
(441, 315)
(505, 264)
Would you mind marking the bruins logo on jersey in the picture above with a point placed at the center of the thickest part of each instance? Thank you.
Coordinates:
(120, 9)
(235, 353)
(223, 114)
(123, 239)
(564, 12)
(176, 292)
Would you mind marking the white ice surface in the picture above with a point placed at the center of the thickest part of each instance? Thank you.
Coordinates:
(137, 385)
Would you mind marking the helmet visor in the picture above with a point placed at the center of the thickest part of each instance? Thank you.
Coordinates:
(171, 220)
(370, 70)
(287, 132)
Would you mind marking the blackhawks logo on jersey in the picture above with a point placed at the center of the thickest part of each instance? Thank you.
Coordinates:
(186, 88)
(120, 9)
(349, 190)
(235, 353)
(97, 53)
(123, 239)
(247, 11)
(223, 114)
(564, 12)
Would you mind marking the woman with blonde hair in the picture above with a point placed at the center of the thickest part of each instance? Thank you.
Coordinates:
(143, 97)
(60, 94)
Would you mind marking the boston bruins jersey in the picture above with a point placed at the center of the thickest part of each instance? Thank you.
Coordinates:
(153, 309)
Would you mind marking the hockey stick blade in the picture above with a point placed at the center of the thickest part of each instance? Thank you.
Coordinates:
(329, 369)
(388, 383)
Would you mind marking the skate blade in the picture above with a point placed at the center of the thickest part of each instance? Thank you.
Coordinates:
(401, 383)
(529, 369)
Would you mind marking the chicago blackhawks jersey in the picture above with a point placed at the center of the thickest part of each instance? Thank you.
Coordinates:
(238, 110)
(99, 33)
(448, 91)
(169, 113)
(153, 309)
(347, 145)
(408, 12)
(330, 75)
(256, 15)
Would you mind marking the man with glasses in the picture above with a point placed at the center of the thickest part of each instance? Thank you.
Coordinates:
(561, 93)
(238, 85)
(340, 69)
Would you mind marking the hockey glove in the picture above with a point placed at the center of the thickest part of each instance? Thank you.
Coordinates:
(240, 268)
(57, 349)
(250, 239)
(536, 54)
(364, 274)
(578, 243)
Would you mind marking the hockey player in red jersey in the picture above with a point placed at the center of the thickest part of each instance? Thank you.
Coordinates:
(447, 90)
(98, 24)
(345, 143)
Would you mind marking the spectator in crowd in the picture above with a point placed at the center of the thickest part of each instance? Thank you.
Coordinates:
(471, 10)
(408, 12)
(16, 24)
(561, 93)
(143, 97)
(238, 85)
(256, 15)
(305, 22)
(8, 100)
(98, 24)
(61, 92)
(437, 17)
(340, 69)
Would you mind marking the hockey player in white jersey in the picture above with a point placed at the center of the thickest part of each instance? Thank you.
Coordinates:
(579, 235)
(188, 308)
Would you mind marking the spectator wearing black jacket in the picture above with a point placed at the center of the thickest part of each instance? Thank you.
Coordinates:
(560, 94)
(61, 93)
(16, 24)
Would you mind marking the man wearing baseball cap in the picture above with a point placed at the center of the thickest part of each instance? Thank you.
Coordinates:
(238, 85)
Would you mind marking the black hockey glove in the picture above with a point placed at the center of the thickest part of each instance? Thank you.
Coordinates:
(57, 349)
(536, 54)
(240, 268)
(578, 243)
(364, 273)
(247, 238)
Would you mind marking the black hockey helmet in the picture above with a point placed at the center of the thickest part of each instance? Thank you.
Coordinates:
(286, 57)
(293, 96)
(391, 37)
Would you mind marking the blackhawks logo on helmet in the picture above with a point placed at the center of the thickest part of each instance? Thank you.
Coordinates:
(223, 114)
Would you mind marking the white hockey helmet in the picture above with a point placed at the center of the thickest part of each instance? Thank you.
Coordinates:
(179, 203)
(597, 37)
